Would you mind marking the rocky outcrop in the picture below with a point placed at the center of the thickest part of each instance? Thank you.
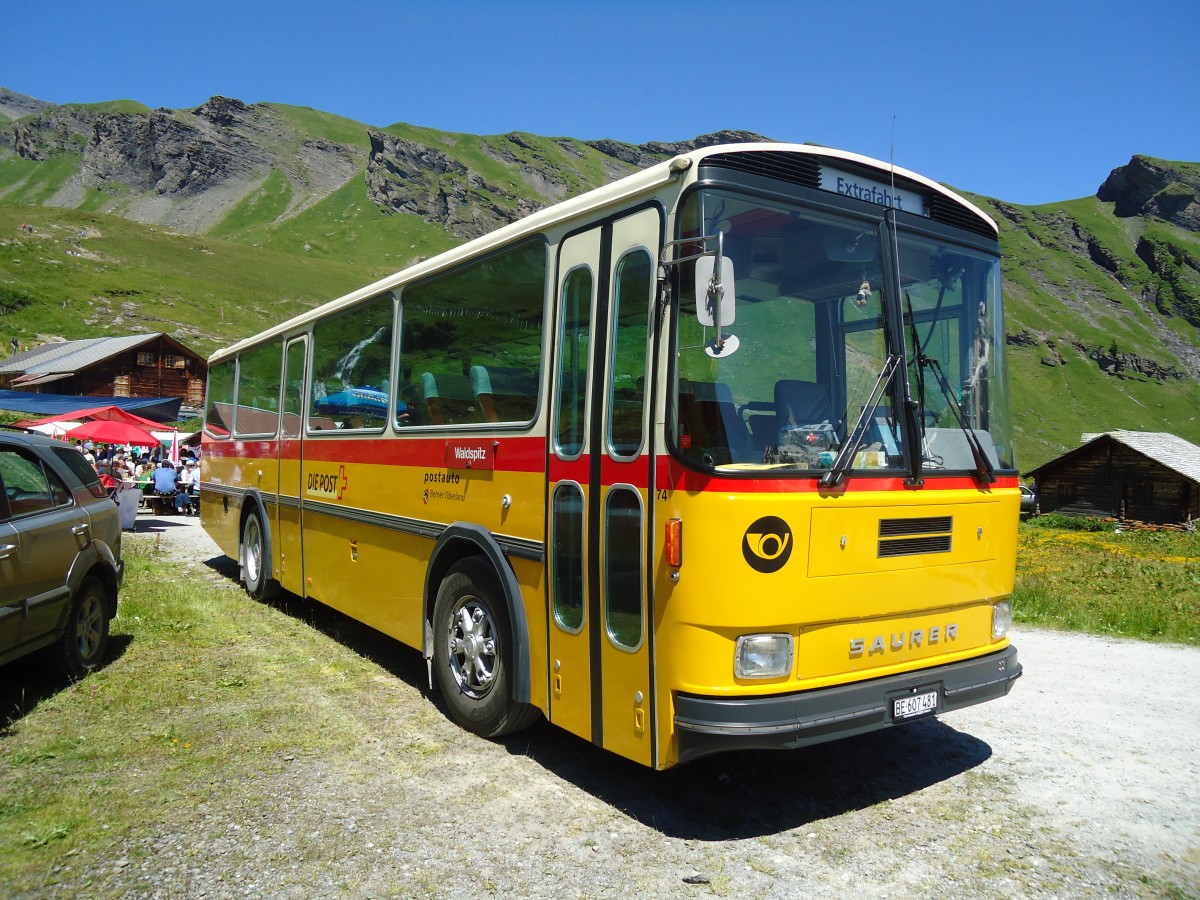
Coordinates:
(1109, 359)
(643, 155)
(1128, 365)
(17, 106)
(168, 154)
(1154, 187)
(406, 177)
(183, 168)
(1178, 275)
(1022, 338)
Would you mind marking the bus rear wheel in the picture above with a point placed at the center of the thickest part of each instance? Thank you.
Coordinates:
(255, 561)
(472, 652)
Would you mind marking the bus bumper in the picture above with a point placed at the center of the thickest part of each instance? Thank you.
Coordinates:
(707, 725)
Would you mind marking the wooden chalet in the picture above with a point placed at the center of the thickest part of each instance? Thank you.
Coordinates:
(1141, 476)
(142, 365)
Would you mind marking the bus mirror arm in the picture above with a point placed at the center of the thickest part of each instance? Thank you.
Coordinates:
(714, 279)
(714, 286)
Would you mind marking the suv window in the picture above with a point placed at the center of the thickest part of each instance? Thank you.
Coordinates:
(74, 461)
(29, 485)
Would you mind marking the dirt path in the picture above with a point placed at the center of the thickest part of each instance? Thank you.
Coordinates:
(1083, 782)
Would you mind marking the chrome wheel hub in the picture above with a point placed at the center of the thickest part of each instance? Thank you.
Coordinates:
(473, 647)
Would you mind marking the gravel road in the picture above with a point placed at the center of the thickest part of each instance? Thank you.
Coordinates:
(1084, 781)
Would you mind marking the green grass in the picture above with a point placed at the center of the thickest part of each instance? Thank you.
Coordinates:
(206, 692)
(347, 228)
(36, 182)
(1081, 575)
(1054, 406)
(1064, 300)
(312, 123)
(204, 291)
(266, 204)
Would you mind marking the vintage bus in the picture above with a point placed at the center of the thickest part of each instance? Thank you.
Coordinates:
(716, 456)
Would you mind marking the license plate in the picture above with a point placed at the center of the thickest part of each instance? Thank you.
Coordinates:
(914, 705)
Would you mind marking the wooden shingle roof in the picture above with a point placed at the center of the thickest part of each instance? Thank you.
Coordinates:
(1165, 449)
(68, 357)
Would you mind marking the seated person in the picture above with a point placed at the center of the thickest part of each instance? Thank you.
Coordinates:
(189, 485)
(164, 478)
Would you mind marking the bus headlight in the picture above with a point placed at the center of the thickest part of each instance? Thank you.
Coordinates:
(763, 656)
(1001, 618)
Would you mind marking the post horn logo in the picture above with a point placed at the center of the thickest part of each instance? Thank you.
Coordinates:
(767, 544)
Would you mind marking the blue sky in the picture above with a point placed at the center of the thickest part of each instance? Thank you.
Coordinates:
(1029, 101)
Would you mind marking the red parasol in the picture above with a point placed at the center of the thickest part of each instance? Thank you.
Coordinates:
(114, 413)
(110, 432)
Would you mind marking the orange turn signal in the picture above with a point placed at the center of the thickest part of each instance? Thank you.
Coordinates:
(674, 542)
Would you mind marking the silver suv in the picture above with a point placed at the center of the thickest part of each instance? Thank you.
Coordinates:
(60, 554)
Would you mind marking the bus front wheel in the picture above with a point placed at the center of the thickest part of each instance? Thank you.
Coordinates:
(472, 652)
(255, 560)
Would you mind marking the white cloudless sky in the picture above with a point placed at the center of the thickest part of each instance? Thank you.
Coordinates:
(1029, 101)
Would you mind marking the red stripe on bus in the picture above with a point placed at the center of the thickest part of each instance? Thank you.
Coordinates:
(528, 454)
(512, 454)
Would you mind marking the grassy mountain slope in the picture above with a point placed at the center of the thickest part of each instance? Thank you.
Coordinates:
(213, 223)
(1089, 348)
(80, 274)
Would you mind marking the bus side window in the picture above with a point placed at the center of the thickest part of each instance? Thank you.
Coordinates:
(351, 367)
(259, 371)
(475, 336)
(504, 394)
(448, 398)
(218, 414)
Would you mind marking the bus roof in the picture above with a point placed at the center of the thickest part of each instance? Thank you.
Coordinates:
(617, 192)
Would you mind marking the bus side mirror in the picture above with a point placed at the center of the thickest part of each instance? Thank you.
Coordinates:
(715, 291)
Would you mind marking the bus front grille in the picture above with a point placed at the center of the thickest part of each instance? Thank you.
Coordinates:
(915, 536)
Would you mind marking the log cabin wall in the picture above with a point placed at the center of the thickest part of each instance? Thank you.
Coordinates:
(1107, 478)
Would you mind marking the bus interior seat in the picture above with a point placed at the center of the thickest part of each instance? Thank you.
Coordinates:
(709, 417)
(802, 403)
(504, 394)
(448, 398)
(761, 423)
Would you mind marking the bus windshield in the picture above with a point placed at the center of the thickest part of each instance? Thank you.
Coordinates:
(842, 325)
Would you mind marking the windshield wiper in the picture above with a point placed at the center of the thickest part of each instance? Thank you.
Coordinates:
(841, 464)
(983, 466)
(915, 426)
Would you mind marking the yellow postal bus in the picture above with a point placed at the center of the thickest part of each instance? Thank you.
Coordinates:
(717, 456)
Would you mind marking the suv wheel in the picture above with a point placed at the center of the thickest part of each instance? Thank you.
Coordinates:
(80, 648)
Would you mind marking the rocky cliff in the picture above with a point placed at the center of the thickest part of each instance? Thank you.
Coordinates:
(190, 169)
(1157, 188)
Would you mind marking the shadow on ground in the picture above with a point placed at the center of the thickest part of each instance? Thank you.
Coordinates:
(752, 793)
(26, 682)
(729, 796)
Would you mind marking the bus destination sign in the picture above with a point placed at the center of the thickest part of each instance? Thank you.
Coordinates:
(871, 191)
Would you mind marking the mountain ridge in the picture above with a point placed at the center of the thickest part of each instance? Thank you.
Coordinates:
(1103, 291)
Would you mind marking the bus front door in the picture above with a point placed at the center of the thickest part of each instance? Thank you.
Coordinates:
(600, 474)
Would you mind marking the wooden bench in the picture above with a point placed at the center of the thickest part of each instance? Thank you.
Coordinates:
(158, 504)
